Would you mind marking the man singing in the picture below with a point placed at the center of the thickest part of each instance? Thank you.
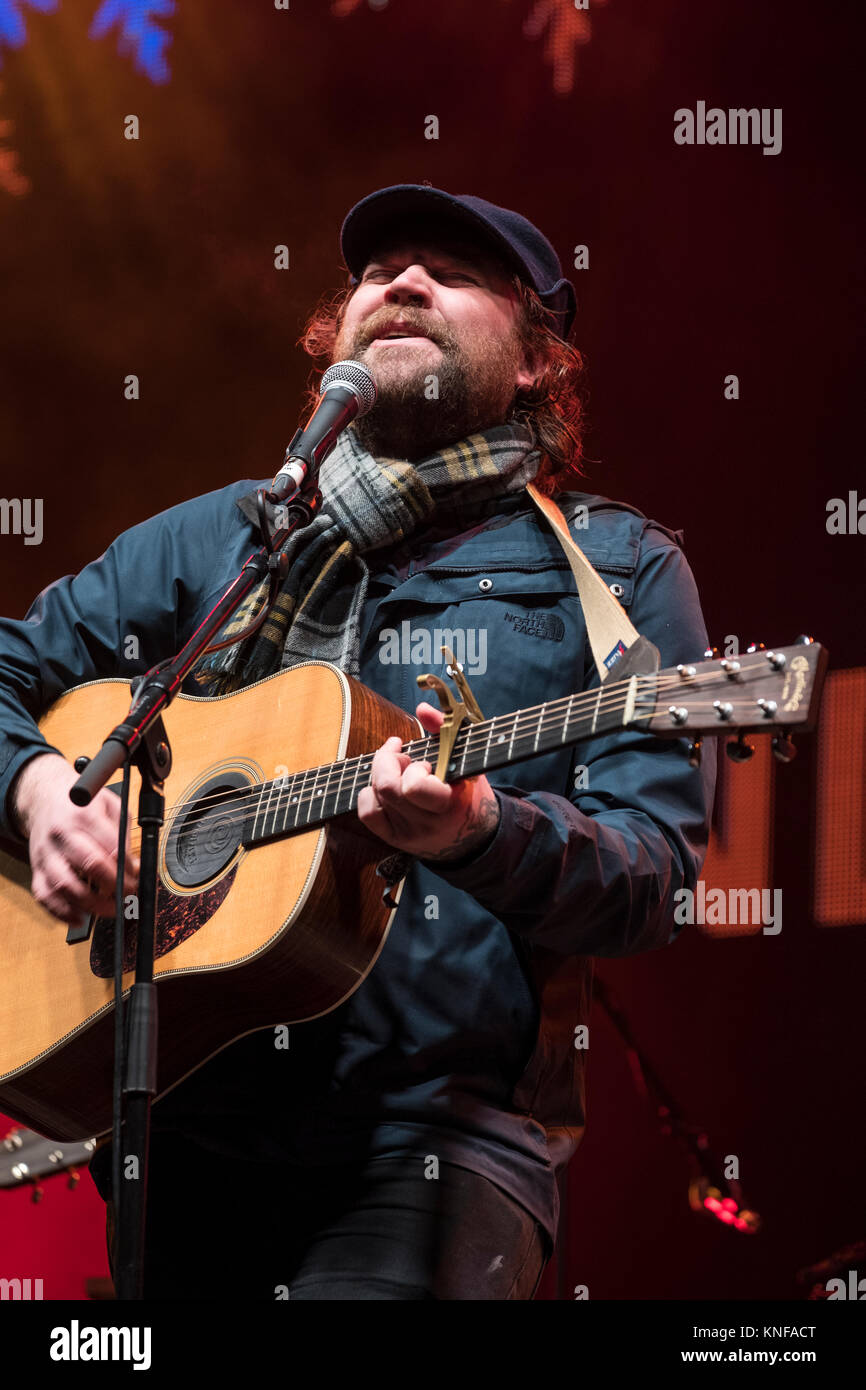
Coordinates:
(407, 1144)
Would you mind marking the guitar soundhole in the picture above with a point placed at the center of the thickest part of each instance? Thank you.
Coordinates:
(205, 836)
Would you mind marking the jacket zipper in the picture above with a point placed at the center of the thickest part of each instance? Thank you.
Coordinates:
(522, 569)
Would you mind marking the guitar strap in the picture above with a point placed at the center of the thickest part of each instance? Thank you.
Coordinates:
(615, 642)
(611, 633)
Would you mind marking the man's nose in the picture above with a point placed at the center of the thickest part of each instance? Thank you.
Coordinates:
(413, 283)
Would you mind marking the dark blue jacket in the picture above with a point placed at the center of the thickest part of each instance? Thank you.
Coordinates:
(463, 1042)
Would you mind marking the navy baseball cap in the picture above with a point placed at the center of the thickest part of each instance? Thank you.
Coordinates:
(512, 237)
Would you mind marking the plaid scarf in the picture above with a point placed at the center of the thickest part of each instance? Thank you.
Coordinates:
(368, 503)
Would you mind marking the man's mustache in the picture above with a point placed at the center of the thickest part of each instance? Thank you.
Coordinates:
(374, 331)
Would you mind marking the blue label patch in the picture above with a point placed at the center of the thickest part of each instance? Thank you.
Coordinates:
(613, 657)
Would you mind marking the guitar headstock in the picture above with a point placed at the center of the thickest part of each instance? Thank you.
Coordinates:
(758, 692)
(26, 1156)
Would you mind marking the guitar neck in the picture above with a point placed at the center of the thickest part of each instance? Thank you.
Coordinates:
(319, 793)
(761, 691)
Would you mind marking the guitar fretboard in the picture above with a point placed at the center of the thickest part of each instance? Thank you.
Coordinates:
(302, 799)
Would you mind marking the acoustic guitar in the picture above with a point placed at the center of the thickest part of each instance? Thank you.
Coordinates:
(269, 908)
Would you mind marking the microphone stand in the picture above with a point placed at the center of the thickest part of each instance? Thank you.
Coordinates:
(142, 739)
(709, 1190)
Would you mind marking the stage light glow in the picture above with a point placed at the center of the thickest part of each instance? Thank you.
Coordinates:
(139, 36)
(13, 29)
(11, 179)
(566, 27)
(562, 23)
(839, 890)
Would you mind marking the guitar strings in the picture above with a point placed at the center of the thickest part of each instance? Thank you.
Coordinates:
(419, 750)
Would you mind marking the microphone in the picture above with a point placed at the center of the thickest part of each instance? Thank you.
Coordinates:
(347, 390)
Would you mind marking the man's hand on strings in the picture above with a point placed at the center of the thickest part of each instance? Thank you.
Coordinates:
(412, 810)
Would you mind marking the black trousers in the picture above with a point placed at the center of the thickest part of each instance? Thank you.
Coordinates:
(378, 1230)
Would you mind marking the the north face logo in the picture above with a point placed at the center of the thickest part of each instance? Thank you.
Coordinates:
(548, 625)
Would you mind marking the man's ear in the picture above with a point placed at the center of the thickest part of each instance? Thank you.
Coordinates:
(530, 369)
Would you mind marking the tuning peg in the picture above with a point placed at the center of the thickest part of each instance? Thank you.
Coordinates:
(783, 748)
(755, 647)
(694, 752)
(739, 752)
(803, 641)
(711, 653)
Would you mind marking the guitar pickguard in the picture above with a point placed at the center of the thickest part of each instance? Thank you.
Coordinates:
(177, 918)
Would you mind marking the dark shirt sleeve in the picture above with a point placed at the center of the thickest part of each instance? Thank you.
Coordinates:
(595, 873)
(117, 617)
